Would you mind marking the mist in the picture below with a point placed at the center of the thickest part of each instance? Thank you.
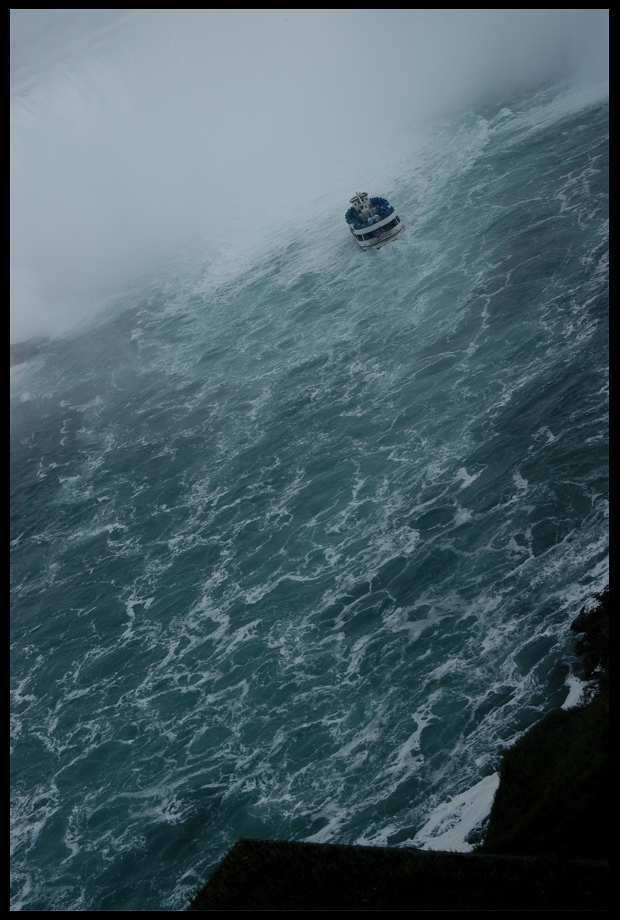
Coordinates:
(136, 132)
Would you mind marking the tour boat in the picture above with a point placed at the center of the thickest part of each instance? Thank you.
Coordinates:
(372, 221)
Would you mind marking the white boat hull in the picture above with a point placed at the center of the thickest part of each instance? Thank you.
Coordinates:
(381, 239)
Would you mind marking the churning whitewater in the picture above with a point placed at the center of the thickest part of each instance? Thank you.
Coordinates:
(298, 532)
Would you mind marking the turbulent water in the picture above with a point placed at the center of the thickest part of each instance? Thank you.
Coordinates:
(298, 532)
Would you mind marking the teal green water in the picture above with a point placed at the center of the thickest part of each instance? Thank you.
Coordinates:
(298, 536)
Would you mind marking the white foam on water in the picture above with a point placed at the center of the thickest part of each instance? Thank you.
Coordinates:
(452, 822)
(307, 555)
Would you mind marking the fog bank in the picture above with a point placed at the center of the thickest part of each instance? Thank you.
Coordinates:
(135, 131)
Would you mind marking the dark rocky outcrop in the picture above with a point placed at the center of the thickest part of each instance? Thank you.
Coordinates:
(553, 796)
(593, 645)
(546, 844)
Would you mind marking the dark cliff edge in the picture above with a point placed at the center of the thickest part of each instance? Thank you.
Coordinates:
(545, 847)
(554, 782)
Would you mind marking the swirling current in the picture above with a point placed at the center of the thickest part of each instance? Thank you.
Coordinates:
(298, 533)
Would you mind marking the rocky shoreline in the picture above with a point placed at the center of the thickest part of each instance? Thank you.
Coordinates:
(553, 793)
(545, 845)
